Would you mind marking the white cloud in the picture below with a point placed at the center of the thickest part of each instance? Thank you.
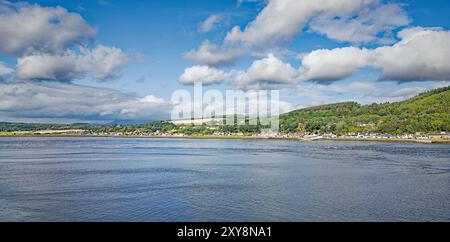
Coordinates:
(153, 99)
(203, 74)
(374, 24)
(422, 54)
(47, 66)
(267, 73)
(281, 20)
(45, 39)
(27, 28)
(60, 101)
(210, 23)
(211, 54)
(330, 65)
(101, 63)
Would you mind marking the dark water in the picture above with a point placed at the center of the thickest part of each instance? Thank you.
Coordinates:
(112, 179)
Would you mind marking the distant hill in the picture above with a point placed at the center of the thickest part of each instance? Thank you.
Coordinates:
(12, 127)
(428, 112)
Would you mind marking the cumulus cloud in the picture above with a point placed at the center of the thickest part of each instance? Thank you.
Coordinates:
(211, 54)
(50, 44)
(373, 24)
(356, 21)
(27, 28)
(56, 101)
(101, 63)
(422, 54)
(281, 20)
(203, 74)
(330, 65)
(210, 23)
(267, 73)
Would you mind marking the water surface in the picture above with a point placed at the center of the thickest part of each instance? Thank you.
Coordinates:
(119, 179)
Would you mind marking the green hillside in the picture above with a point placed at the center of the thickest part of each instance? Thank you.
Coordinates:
(428, 112)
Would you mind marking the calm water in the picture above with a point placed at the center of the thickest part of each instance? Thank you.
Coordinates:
(112, 179)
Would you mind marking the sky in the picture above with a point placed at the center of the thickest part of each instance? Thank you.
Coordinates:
(116, 60)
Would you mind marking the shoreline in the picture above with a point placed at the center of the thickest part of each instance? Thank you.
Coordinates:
(211, 137)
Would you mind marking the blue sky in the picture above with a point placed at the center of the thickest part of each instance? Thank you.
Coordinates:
(152, 37)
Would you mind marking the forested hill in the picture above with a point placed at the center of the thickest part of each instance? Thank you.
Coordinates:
(428, 112)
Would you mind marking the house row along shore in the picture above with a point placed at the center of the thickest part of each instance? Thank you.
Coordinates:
(418, 137)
